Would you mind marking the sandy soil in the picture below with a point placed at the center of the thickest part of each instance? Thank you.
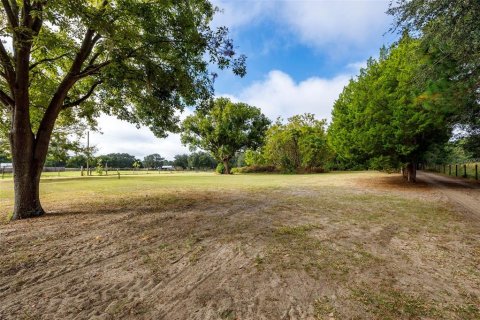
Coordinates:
(370, 247)
(464, 193)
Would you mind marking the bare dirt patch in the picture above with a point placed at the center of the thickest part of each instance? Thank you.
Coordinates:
(463, 193)
(306, 247)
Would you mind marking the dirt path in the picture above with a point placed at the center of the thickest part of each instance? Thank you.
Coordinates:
(462, 193)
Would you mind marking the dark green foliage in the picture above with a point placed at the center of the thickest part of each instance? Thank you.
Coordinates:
(256, 169)
(201, 161)
(225, 128)
(220, 168)
(153, 161)
(449, 31)
(450, 27)
(386, 117)
(77, 161)
(181, 161)
(118, 160)
(4, 158)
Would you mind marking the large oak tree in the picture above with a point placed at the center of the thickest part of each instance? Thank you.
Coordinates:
(141, 61)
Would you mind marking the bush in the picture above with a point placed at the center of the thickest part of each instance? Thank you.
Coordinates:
(220, 168)
(256, 169)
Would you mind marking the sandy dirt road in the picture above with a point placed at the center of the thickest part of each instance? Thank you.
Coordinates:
(463, 193)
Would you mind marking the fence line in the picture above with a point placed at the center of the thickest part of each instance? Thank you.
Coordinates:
(464, 170)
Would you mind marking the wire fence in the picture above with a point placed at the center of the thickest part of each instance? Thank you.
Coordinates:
(463, 170)
(6, 173)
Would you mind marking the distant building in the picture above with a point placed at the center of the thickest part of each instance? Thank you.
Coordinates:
(6, 165)
(168, 168)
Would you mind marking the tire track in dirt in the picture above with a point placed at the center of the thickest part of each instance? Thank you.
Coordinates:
(464, 194)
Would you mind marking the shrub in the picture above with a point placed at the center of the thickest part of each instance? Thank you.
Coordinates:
(256, 169)
(220, 168)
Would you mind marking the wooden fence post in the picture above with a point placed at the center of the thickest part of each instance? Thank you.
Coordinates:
(449, 169)
(456, 170)
(476, 171)
(464, 170)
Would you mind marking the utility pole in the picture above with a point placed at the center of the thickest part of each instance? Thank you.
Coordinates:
(88, 152)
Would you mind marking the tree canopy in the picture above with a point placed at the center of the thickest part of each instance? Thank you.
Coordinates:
(225, 128)
(449, 31)
(301, 143)
(153, 161)
(386, 117)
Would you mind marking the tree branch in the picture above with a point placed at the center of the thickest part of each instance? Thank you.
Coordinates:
(92, 69)
(47, 60)
(82, 99)
(6, 99)
(12, 18)
(6, 62)
(94, 58)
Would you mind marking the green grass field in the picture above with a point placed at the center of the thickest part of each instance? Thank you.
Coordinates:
(361, 245)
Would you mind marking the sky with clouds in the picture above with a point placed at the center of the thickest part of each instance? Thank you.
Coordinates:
(301, 53)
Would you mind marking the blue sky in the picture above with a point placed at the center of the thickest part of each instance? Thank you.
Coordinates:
(300, 56)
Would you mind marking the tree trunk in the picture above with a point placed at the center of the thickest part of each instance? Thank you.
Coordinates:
(27, 196)
(226, 166)
(26, 176)
(411, 172)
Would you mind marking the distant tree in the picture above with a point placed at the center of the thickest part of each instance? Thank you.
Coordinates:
(181, 161)
(137, 164)
(118, 160)
(76, 161)
(449, 153)
(239, 160)
(168, 163)
(4, 149)
(225, 128)
(201, 160)
(300, 143)
(61, 145)
(153, 161)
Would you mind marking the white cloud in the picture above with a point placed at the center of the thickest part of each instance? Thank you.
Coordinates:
(123, 137)
(278, 95)
(335, 26)
(340, 25)
(356, 66)
(235, 13)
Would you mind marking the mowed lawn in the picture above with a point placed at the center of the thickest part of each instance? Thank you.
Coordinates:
(203, 246)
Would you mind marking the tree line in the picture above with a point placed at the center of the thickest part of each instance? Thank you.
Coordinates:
(194, 161)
